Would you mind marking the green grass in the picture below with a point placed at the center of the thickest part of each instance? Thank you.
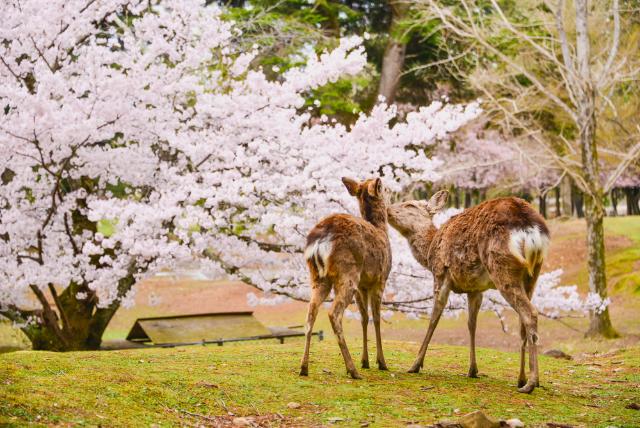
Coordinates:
(623, 266)
(159, 386)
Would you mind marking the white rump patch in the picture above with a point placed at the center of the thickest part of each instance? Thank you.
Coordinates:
(529, 246)
(320, 251)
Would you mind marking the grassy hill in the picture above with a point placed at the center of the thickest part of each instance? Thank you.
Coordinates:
(211, 385)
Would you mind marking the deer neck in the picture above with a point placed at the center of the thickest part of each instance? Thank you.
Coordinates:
(420, 243)
(376, 215)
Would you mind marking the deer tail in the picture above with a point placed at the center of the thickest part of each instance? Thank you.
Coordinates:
(317, 253)
(529, 247)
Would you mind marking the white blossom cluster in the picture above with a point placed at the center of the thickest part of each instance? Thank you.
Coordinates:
(135, 137)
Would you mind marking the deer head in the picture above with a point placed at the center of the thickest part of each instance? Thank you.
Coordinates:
(373, 198)
(411, 217)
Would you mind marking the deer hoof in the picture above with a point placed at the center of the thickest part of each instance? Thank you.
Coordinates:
(414, 369)
(473, 373)
(355, 375)
(522, 382)
(528, 388)
(304, 371)
(382, 365)
(365, 364)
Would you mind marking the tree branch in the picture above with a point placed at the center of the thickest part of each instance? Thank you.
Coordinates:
(615, 43)
(470, 31)
(48, 315)
(631, 156)
(564, 43)
(56, 300)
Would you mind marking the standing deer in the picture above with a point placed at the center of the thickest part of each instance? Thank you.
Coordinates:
(499, 244)
(352, 256)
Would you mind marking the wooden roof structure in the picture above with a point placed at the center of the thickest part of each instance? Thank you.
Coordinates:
(216, 327)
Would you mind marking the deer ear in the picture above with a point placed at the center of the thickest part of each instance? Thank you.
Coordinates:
(437, 202)
(377, 187)
(352, 186)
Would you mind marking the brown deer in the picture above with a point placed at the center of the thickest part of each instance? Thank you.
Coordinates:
(352, 256)
(499, 244)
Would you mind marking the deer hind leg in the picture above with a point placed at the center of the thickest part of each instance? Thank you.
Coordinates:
(320, 291)
(441, 300)
(522, 377)
(344, 291)
(474, 301)
(362, 298)
(376, 303)
(517, 297)
(529, 286)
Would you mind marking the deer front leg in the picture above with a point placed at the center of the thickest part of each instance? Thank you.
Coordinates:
(362, 298)
(376, 303)
(343, 296)
(319, 293)
(474, 301)
(441, 299)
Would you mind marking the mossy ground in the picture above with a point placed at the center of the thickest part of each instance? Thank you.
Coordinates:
(162, 386)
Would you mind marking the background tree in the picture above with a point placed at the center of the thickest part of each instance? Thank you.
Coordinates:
(406, 62)
(546, 77)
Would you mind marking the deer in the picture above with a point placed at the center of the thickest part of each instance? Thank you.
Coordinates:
(352, 257)
(500, 243)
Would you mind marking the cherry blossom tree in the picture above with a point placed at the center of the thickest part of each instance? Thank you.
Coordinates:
(477, 159)
(136, 136)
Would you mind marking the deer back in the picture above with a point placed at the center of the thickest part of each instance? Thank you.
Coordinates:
(504, 234)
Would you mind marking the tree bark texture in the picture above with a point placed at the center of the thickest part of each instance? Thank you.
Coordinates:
(75, 324)
(394, 54)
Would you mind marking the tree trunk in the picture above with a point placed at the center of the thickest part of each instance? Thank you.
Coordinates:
(456, 198)
(600, 321)
(467, 198)
(633, 196)
(565, 192)
(394, 54)
(557, 194)
(75, 325)
(577, 201)
(542, 199)
(614, 201)
(600, 324)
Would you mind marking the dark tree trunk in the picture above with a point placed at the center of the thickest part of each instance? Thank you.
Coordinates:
(394, 54)
(467, 198)
(633, 197)
(577, 201)
(542, 199)
(557, 193)
(456, 198)
(565, 194)
(74, 324)
(614, 201)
